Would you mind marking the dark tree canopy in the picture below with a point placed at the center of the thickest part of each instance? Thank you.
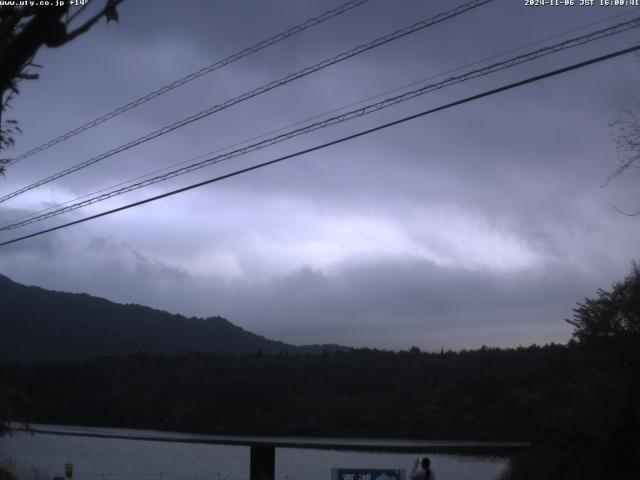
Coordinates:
(612, 313)
(23, 31)
(597, 435)
(485, 393)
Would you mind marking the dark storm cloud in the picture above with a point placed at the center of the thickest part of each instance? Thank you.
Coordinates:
(480, 224)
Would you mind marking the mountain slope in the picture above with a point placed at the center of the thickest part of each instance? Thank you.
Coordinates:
(39, 324)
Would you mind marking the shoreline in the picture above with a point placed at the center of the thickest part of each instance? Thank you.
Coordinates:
(340, 444)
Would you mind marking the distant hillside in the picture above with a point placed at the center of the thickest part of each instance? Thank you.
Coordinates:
(39, 324)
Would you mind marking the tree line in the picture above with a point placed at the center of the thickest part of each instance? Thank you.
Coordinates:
(486, 393)
(597, 434)
(578, 403)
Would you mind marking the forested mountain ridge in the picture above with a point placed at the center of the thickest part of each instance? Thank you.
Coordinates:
(38, 324)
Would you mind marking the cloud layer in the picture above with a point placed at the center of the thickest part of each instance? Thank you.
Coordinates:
(483, 224)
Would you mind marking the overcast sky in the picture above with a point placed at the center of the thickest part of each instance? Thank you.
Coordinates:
(480, 225)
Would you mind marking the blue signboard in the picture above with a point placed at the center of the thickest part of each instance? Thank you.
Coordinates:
(367, 474)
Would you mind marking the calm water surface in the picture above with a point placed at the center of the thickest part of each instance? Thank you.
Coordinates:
(108, 459)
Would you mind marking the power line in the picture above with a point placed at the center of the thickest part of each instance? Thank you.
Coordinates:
(518, 60)
(265, 88)
(341, 118)
(340, 140)
(315, 117)
(312, 22)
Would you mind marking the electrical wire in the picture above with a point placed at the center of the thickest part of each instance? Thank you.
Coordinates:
(509, 63)
(312, 22)
(315, 117)
(472, 98)
(253, 93)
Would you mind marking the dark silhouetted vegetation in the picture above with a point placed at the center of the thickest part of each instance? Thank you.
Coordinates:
(24, 30)
(579, 403)
(597, 435)
(6, 475)
(13, 405)
(487, 393)
(73, 326)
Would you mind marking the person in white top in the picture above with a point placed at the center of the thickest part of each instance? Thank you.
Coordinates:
(422, 470)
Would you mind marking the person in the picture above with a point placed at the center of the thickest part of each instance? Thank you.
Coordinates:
(424, 473)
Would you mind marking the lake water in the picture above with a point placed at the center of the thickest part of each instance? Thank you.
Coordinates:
(111, 459)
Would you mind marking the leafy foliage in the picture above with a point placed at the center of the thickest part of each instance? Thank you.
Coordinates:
(598, 434)
(24, 29)
(611, 314)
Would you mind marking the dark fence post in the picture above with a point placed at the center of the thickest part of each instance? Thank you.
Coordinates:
(263, 462)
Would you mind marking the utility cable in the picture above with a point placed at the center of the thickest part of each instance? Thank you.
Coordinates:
(312, 22)
(315, 117)
(509, 63)
(472, 98)
(265, 88)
